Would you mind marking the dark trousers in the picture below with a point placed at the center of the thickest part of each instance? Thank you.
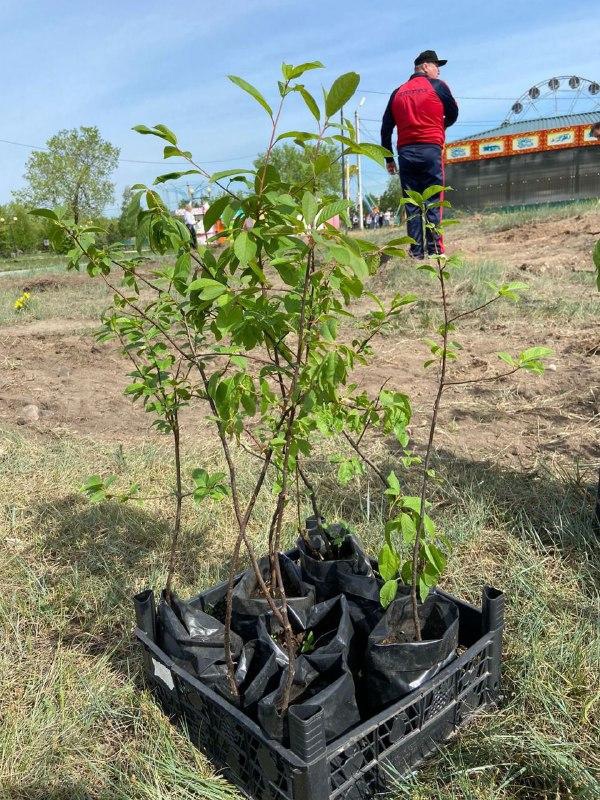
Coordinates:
(421, 166)
(193, 235)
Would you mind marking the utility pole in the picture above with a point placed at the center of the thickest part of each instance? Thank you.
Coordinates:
(361, 224)
(344, 189)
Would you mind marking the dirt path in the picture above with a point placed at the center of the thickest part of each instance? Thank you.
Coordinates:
(77, 383)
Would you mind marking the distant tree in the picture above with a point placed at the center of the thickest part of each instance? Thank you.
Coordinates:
(127, 220)
(390, 199)
(19, 231)
(73, 172)
(295, 164)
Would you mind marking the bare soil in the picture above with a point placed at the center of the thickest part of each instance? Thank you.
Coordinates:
(77, 383)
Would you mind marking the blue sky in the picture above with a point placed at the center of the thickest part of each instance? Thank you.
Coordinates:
(116, 64)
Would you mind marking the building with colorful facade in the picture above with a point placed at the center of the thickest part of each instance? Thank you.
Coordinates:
(545, 160)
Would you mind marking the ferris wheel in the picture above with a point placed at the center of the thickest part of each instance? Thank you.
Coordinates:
(566, 94)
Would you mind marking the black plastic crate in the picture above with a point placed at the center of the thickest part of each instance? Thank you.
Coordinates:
(359, 763)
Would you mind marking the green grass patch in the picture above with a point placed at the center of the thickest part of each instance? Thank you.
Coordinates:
(505, 220)
(51, 297)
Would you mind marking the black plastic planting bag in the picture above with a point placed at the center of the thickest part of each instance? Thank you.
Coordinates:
(395, 664)
(322, 678)
(257, 672)
(249, 603)
(351, 574)
(195, 640)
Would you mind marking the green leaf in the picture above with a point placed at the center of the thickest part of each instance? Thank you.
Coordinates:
(170, 151)
(309, 207)
(310, 102)
(423, 589)
(507, 358)
(333, 209)
(430, 191)
(47, 213)
(215, 210)
(252, 90)
(144, 130)
(158, 130)
(415, 197)
(226, 173)
(173, 176)
(408, 527)
(375, 152)
(388, 592)
(388, 563)
(535, 353)
(512, 290)
(341, 91)
(290, 72)
(343, 255)
(297, 136)
(167, 134)
(244, 248)
(412, 503)
(393, 484)
(209, 289)
(348, 469)
(403, 300)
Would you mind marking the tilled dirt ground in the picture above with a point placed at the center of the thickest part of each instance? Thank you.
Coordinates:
(77, 384)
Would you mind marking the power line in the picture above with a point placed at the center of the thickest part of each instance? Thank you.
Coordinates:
(138, 161)
(471, 122)
(387, 94)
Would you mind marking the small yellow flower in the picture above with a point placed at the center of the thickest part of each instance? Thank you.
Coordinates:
(22, 302)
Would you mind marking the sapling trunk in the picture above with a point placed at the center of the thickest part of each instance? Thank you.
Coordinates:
(178, 502)
(428, 452)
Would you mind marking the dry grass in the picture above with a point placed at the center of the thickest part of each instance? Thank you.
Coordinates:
(77, 723)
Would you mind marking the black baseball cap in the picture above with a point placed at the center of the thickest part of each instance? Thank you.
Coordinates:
(430, 57)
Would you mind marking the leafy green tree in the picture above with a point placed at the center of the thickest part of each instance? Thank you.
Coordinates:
(251, 332)
(413, 549)
(295, 165)
(19, 230)
(73, 172)
(127, 223)
(391, 198)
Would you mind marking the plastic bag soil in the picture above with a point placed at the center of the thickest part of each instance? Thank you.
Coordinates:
(350, 574)
(395, 664)
(249, 604)
(322, 677)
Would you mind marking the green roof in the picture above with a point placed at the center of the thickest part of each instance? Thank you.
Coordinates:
(531, 125)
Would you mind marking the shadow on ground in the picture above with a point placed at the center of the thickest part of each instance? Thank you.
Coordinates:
(96, 557)
(555, 508)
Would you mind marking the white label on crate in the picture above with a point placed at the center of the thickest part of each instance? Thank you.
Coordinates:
(163, 674)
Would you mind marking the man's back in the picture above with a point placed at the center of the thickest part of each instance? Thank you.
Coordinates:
(421, 109)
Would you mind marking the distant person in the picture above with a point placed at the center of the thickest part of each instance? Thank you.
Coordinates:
(595, 132)
(190, 223)
(387, 218)
(421, 109)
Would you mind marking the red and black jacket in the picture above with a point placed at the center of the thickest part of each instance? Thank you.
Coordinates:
(421, 109)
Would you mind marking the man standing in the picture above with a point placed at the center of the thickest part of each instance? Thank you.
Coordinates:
(421, 109)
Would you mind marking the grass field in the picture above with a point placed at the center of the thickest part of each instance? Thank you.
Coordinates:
(516, 469)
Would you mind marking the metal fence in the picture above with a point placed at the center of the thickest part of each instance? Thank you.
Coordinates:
(570, 174)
